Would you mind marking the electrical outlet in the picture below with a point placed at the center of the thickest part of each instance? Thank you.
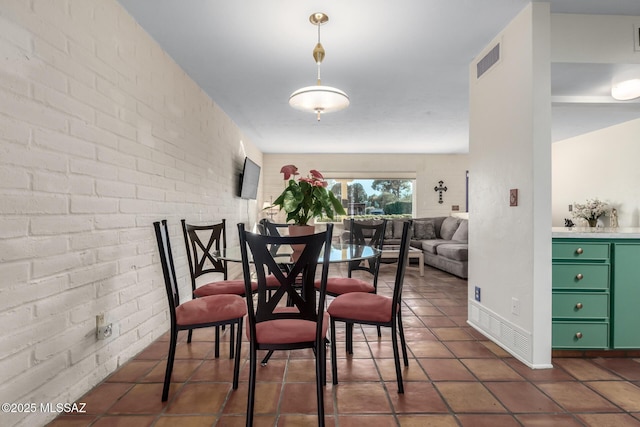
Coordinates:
(103, 330)
(515, 306)
(477, 295)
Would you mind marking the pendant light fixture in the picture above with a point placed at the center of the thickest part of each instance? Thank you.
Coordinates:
(319, 99)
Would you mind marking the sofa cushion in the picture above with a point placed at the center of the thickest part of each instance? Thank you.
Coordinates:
(424, 230)
(431, 246)
(462, 233)
(449, 227)
(455, 251)
(397, 228)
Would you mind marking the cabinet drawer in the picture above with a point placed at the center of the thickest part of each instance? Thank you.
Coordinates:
(579, 305)
(580, 250)
(580, 276)
(580, 335)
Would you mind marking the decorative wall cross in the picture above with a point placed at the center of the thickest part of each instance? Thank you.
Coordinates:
(440, 189)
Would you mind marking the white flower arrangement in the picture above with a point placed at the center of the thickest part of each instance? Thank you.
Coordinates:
(593, 209)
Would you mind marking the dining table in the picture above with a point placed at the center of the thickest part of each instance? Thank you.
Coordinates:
(340, 252)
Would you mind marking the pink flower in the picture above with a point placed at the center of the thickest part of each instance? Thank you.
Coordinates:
(289, 170)
(314, 173)
(315, 182)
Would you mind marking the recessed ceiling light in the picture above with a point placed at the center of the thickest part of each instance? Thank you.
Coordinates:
(626, 89)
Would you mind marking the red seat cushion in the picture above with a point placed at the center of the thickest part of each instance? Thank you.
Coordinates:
(210, 309)
(287, 331)
(235, 287)
(361, 306)
(343, 285)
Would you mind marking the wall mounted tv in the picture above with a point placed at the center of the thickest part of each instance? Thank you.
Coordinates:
(249, 179)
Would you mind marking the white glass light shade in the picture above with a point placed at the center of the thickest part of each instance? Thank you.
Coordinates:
(319, 99)
(626, 90)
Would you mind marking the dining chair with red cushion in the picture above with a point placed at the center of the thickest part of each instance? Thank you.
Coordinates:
(207, 311)
(208, 273)
(271, 324)
(377, 310)
(370, 233)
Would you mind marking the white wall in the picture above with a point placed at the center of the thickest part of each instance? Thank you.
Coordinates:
(101, 134)
(594, 38)
(510, 142)
(601, 164)
(426, 169)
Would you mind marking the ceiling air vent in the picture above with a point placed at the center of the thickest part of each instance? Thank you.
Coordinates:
(488, 61)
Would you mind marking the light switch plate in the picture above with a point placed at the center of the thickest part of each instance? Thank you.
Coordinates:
(513, 197)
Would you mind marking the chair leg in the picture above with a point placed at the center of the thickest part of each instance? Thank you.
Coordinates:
(236, 363)
(253, 355)
(349, 337)
(396, 359)
(231, 339)
(170, 358)
(189, 335)
(403, 342)
(319, 381)
(334, 358)
(217, 343)
(266, 358)
(379, 332)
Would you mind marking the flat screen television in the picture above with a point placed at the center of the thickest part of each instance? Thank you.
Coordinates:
(249, 179)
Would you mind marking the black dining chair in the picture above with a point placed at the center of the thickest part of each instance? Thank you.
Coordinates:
(201, 241)
(271, 324)
(370, 233)
(377, 310)
(207, 311)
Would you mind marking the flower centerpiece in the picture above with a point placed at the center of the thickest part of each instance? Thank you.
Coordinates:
(591, 211)
(307, 197)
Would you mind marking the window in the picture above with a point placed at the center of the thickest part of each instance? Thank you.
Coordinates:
(374, 196)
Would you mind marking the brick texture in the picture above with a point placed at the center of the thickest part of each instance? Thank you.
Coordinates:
(101, 134)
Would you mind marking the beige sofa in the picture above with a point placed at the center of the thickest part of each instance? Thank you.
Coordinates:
(443, 241)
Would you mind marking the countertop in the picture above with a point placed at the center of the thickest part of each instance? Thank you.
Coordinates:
(596, 232)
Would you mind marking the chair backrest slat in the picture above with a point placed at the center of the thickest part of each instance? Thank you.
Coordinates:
(295, 285)
(371, 234)
(168, 269)
(403, 260)
(200, 254)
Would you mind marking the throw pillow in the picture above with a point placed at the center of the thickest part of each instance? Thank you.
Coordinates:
(424, 230)
(462, 233)
(449, 227)
(397, 228)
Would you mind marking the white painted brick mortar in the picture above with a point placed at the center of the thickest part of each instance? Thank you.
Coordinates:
(95, 145)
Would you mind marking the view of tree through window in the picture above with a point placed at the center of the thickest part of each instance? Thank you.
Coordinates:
(374, 196)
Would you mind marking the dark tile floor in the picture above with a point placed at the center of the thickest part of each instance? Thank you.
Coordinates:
(456, 377)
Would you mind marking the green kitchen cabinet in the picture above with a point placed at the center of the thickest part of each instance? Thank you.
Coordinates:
(581, 281)
(626, 296)
(596, 293)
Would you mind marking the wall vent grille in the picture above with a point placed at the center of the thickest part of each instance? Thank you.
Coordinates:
(504, 332)
(489, 60)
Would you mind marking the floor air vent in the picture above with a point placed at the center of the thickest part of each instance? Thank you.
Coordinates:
(488, 61)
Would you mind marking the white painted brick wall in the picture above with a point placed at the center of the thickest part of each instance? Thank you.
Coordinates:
(100, 135)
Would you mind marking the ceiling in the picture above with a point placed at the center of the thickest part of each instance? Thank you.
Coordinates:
(404, 65)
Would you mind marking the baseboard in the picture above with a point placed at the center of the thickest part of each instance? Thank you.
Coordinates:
(510, 337)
